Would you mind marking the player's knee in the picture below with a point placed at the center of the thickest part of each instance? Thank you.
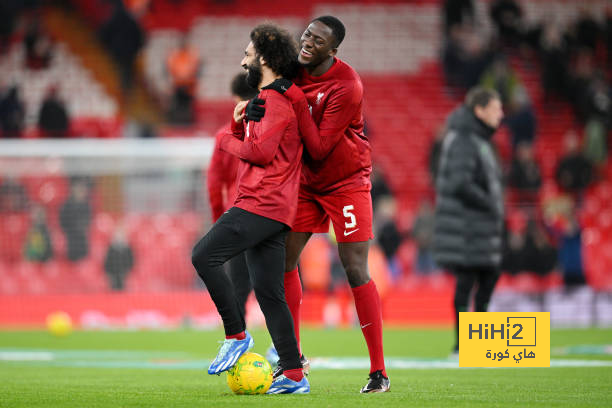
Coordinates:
(357, 275)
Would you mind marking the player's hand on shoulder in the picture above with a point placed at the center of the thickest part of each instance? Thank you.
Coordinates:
(287, 88)
(254, 110)
(239, 111)
(280, 85)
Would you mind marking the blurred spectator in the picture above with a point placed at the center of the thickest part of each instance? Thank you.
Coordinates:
(75, 218)
(457, 12)
(563, 223)
(513, 244)
(183, 66)
(570, 253)
(124, 38)
(537, 254)
(554, 53)
(524, 171)
(501, 77)
(574, 172)
(387, 234)
(582, 73)
(595, 146)
(38, 45)
(53, 118)
(8, 16)
(598, 97)
(507, 17)
(38, 246)
(520, 117)
(465, 56)
(119, 259)
(586, 31)
(422, 233)
(380, 187)
(12, 113)
(13, 196)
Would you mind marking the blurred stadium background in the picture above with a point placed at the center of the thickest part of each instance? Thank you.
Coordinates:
(108, 112)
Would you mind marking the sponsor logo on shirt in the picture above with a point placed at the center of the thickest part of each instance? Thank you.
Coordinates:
(319, 97)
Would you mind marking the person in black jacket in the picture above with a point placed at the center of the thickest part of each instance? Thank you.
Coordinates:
(119, 259)
(469, 212)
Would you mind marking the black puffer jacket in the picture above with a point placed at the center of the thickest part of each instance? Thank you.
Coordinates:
(469, 199)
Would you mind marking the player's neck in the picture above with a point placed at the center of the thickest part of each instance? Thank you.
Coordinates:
(268, 76)
(321, 68)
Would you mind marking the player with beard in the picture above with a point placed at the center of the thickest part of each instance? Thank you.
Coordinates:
(335, 181)
(264, 210)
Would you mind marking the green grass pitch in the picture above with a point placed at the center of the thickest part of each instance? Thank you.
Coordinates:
(167, 369)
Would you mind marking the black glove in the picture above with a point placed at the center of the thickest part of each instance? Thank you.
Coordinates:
(280, 85)
(254, 110)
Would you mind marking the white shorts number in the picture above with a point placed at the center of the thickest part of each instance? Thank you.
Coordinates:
(348, 214)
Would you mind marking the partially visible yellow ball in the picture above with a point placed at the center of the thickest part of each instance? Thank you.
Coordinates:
(252, 374)
(59, 324)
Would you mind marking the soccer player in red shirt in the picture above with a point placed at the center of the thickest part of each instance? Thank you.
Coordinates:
(270, 166)
(335, 181)
(221, 180)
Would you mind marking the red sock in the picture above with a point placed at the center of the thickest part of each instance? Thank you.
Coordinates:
(294, 375)
(239, 336)
(293, 296)
(369, 311)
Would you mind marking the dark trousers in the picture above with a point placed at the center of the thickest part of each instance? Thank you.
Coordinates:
(238, 273)
(263, 242)
(482, 277)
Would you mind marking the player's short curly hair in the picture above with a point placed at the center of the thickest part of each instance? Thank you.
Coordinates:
(277, 48)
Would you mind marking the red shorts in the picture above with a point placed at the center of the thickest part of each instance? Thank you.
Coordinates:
(350, 213)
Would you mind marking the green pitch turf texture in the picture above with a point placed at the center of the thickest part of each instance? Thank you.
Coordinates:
(167, 369)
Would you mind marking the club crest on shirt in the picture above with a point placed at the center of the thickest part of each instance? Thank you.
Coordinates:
(319, 97)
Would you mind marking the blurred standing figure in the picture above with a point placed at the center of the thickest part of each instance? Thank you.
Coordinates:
(75, 217)
(183, 66)
(124, 38)
(53, 118)
(119, 259)
(469, 204)
(38, 246)
(222, 181)
(12, 113)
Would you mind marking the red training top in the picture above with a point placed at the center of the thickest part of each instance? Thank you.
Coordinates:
(270, 151)
(221, 177)
(331, 124)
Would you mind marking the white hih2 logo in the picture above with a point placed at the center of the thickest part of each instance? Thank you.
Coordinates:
(348, 214)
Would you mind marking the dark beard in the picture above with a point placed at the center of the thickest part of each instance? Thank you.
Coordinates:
(254, 75)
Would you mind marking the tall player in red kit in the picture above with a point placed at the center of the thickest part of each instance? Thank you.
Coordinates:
(335, 181)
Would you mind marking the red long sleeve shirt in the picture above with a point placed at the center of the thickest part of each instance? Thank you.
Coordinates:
(270, 165)
(331, 124)
(221, 177)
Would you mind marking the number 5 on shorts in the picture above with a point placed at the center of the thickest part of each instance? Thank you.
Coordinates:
(348, 214)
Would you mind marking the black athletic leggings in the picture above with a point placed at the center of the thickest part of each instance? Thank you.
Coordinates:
(238, 273)
(486, 278)
(263, 242)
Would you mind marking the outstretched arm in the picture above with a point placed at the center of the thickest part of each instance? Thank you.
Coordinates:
(341, 108)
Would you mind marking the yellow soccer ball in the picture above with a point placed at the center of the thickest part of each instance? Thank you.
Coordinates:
(59, 324)
(252, 374)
